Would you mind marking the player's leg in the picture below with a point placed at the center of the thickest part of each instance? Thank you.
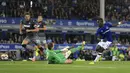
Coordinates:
(25, 42)
(65, 49)
(99, 50)
(35, 54)
(101, 46)
(41, 41)
(113, 58)
(73, 50)
(38, 47)
(25, 45)
(36, 40)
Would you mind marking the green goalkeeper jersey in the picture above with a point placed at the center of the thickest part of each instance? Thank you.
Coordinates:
(55, 56)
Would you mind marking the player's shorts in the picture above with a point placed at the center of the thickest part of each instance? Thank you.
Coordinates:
(105, 45)
(33, 39)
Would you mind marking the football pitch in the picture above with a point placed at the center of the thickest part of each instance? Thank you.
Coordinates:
(76, 67)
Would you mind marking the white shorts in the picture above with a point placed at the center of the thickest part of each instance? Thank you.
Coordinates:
(105, 45)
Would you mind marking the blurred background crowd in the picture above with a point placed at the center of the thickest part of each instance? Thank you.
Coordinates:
(66, 9)
(58, 38)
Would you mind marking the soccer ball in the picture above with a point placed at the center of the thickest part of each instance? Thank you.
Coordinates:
(4, 57)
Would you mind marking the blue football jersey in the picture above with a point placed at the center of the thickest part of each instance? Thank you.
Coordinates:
(105, 32)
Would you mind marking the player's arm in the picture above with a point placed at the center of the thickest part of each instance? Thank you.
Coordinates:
(20, 27)
(98, 37)
(32, 30)
(114, 25)
(119, 23)
(44, 28)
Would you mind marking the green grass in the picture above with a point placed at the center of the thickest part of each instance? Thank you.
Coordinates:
(76, 67)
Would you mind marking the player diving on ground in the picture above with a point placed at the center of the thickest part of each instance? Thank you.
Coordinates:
(61, 56)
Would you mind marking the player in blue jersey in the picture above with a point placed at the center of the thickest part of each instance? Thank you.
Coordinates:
(104, 33)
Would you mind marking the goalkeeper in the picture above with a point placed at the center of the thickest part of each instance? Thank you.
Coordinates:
(60, 56)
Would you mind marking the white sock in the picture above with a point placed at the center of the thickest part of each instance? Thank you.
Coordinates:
(65, 49)
(113, 58)
(97, 58)
(67, 54)
(34, 54)
(34, 57)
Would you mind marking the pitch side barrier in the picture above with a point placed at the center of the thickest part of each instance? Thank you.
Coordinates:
(6, 47)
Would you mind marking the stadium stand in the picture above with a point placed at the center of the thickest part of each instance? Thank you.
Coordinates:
(65, 9)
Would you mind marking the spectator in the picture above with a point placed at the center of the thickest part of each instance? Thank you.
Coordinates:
(49, 40)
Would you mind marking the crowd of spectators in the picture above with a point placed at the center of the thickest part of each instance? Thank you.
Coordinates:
(68, 39)
(10, 37)
(61, 9)
(66, 9)
(117, 10)
(15, 37)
